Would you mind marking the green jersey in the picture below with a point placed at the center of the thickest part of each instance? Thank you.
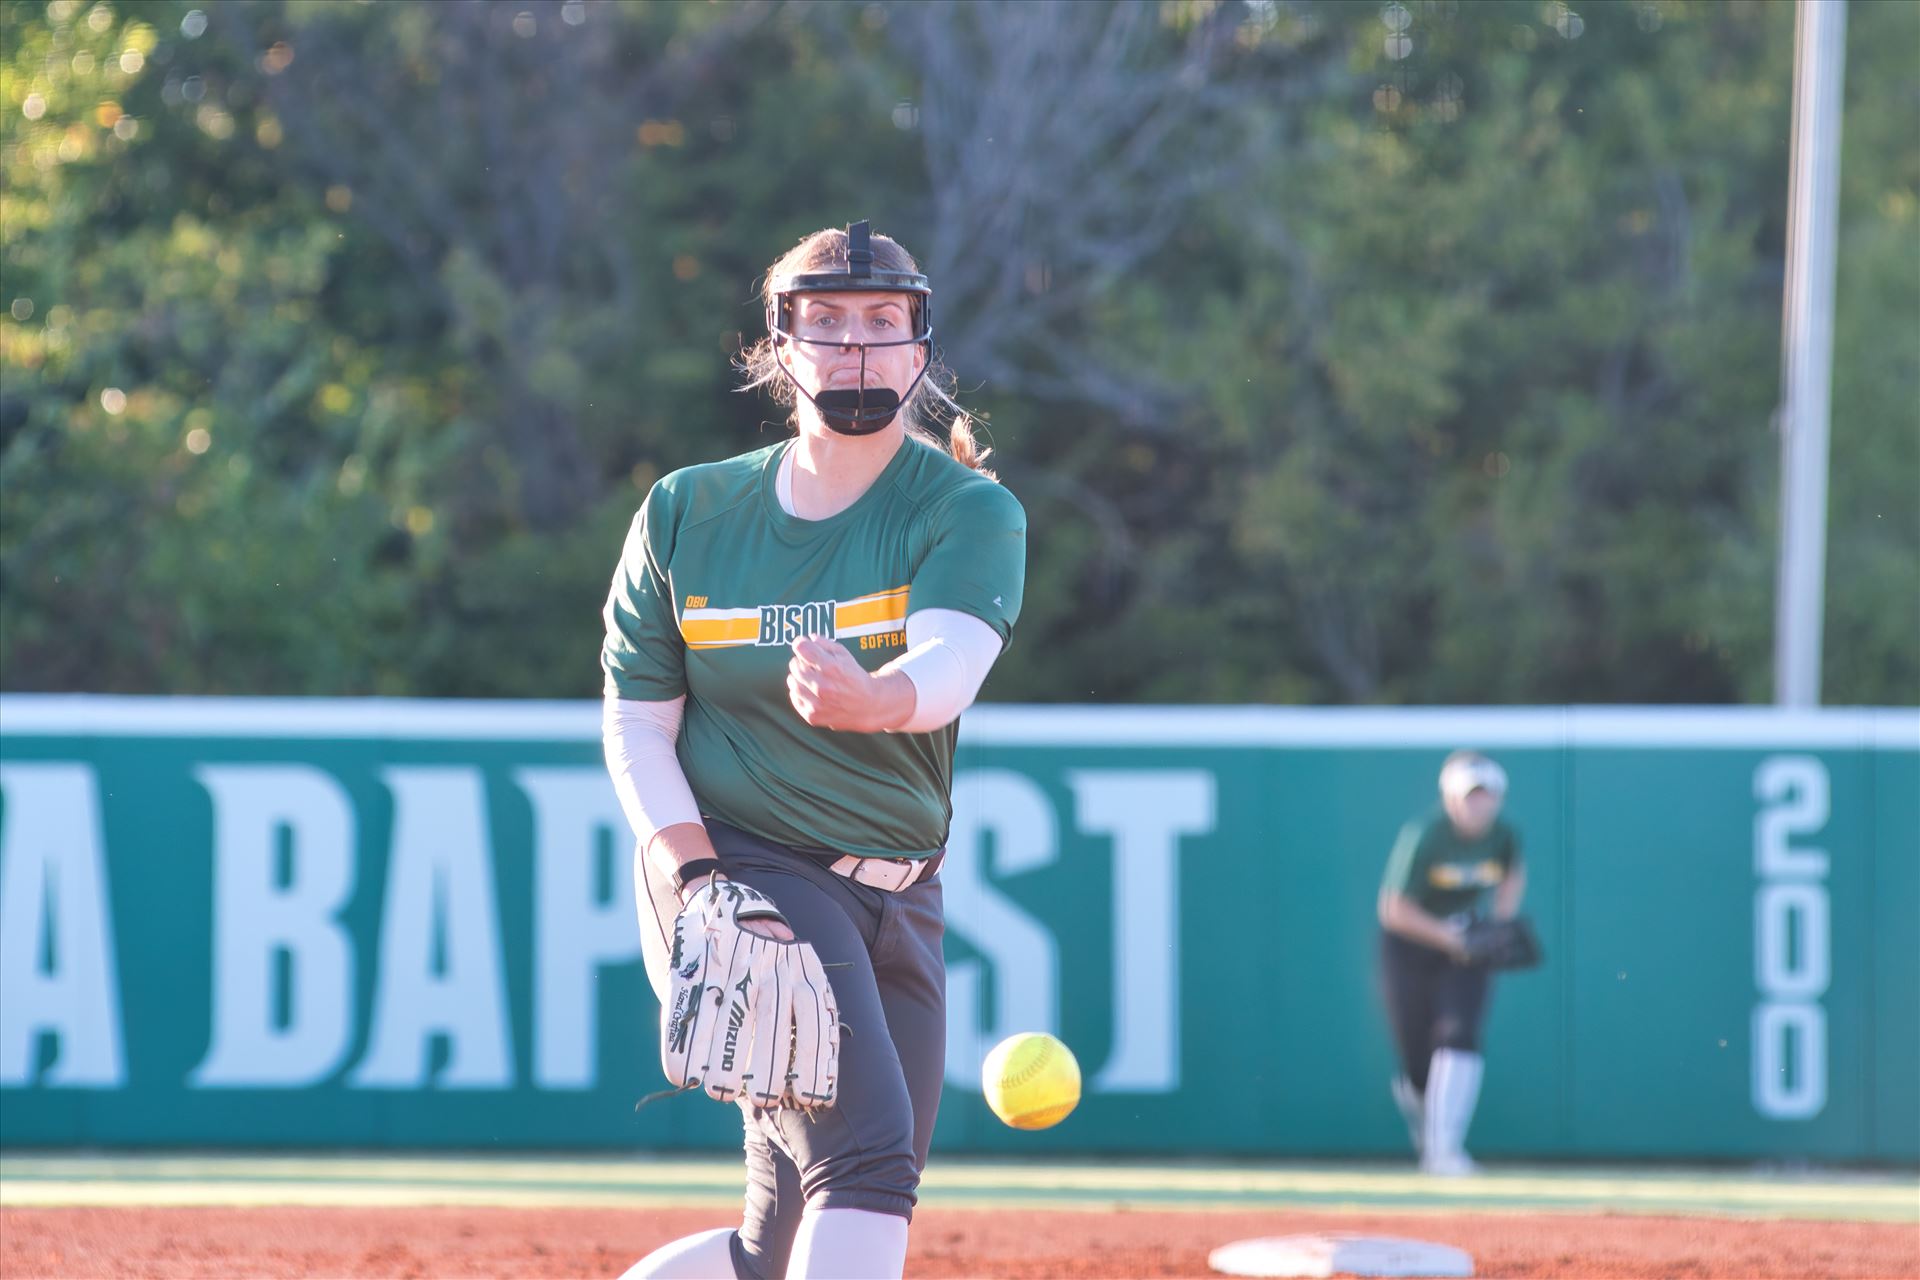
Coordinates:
(718, 580)
(1446, 873)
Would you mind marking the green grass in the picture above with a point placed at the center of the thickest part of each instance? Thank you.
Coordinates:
(384, 1180)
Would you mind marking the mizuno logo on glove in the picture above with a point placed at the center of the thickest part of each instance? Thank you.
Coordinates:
(778, 1041)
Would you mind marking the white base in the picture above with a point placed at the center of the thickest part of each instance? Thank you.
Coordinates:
(1337, 1253)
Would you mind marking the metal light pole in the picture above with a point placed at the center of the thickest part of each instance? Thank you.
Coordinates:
(1806, 342)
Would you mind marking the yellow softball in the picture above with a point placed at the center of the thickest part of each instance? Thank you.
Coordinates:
(1031, 1080)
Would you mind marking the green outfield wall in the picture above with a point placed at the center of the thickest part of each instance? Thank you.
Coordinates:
(392, 923)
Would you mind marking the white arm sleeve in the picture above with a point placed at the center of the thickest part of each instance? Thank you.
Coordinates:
(947, 658)
(638, 739)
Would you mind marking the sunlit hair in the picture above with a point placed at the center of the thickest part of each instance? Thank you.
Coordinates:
(930, 402)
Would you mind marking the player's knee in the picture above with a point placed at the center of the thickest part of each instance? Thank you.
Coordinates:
(886, 1181)
(1456, 1033)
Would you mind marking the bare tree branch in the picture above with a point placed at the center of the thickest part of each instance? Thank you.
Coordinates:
(1067, 145)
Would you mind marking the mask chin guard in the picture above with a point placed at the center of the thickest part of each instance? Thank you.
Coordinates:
(859, 410)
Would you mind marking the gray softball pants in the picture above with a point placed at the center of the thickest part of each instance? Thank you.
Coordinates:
(882, 955)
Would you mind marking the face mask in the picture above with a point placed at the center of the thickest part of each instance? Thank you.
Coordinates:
(859, 410)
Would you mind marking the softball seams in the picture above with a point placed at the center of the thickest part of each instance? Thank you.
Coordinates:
(1040, 1061)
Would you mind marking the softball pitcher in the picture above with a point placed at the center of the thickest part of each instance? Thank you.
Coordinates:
(791, 637)
(1441, 870)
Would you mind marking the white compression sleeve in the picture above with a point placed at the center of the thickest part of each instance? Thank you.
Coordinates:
(638, 740)
(848, 1242)
(947, 658)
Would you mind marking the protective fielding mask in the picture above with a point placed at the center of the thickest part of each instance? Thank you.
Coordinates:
(859, 410)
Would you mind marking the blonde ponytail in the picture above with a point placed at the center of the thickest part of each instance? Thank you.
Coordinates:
(967, 449)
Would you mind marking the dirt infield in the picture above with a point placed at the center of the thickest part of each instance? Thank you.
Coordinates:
(171, 1243)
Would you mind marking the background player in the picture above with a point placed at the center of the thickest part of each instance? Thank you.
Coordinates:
(791, 636)
(1439, 875)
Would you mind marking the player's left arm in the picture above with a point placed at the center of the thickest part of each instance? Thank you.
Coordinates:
(948, 656)
(1506, 899)
(962, 604)
(1513, 887)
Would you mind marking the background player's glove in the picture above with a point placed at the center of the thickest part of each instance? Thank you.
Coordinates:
(747, 1015)
(1501, 944)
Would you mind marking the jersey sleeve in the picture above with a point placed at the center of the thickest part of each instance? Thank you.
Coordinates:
(1400, 863)
(977, 563)
(643, 655)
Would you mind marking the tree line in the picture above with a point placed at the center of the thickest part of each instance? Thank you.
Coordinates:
(1424, 352)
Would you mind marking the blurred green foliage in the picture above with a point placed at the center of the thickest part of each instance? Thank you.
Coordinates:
(1341, 353)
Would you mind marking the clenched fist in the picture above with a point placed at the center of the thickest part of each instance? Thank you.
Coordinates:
(831, 690)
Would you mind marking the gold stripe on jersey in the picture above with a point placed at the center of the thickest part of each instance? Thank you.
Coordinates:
(719, 628)
(1475, 875)
(782, 624)
(881, 611)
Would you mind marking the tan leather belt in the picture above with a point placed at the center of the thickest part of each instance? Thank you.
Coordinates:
(890, 874)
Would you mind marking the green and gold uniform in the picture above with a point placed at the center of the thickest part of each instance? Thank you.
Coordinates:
(1434, 1004)
(716, 583)
(1443, 872)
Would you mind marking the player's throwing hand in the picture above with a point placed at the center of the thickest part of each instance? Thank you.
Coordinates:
(831, 690)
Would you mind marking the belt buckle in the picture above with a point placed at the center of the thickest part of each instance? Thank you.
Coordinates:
(890, 874)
